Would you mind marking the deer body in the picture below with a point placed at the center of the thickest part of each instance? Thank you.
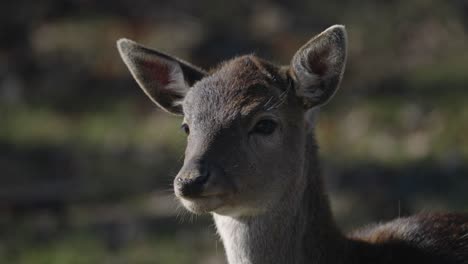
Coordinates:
(251, 160)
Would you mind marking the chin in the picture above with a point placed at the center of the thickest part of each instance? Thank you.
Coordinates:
(217, 206)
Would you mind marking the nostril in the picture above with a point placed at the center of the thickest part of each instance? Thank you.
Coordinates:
(196, 177)
(192, 180)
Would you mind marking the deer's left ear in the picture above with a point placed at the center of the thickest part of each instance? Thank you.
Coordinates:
(318, 66)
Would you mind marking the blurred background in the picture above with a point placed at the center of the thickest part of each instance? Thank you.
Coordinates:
(86, 160)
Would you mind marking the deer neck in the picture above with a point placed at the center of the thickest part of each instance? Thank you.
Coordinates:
(300, 229)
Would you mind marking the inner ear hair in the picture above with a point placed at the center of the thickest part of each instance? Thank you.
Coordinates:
(318, 66)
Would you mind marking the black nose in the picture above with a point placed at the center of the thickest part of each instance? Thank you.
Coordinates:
(192, 178)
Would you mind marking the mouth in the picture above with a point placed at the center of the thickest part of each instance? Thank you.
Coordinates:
(202, 203)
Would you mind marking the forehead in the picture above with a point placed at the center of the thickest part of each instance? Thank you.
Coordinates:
(239, 87)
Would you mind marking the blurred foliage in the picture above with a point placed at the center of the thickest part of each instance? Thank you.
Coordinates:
(86, 160)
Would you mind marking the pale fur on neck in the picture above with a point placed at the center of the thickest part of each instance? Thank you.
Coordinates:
(300, 229)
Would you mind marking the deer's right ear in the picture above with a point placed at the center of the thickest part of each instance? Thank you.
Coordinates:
(165, 79)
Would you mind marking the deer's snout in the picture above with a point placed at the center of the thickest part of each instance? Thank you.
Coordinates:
(192, 179)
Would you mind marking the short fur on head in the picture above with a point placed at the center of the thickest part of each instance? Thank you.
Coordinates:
(233, 97)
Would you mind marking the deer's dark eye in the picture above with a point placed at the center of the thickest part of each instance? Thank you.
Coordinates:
(185, 128)
(264, 127)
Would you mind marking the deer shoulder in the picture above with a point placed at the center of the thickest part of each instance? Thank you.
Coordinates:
(424, 238)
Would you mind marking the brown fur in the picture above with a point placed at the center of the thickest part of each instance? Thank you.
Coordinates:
(265, 191)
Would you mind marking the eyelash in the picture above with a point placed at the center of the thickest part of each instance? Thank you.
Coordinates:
(264, 127)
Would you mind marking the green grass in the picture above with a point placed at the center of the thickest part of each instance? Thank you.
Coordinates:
(120, 126)
(395, 130)
(87, 247)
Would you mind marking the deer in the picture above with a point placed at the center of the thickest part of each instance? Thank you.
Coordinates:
(251, 159)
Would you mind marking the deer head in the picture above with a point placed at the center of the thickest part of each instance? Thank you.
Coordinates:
(245, 120)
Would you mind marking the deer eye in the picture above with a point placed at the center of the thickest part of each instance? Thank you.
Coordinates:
(264, 127)
(185, 128)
